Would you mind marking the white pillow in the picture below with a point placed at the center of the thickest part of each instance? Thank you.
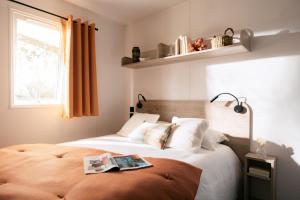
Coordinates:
(187, 133)
(137, 135)
(158, 135)
(136, 120)
(212, 138)
(155, 134)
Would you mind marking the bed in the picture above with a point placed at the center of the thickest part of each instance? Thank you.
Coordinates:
(220, 170)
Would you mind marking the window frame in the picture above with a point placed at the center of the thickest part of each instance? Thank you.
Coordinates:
(14, 14)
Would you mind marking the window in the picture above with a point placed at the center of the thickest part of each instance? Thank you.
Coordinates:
(37, 56)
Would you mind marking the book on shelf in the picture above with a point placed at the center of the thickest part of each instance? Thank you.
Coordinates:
(181, 45)
(259, 172)
(107, 162)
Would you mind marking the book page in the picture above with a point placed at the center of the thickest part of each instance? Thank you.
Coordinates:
(128, 162)
(99, 163)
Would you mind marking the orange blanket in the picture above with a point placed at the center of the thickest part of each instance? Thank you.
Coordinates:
(51, 172)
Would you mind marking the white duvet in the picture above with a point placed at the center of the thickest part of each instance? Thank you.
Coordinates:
(221, 168)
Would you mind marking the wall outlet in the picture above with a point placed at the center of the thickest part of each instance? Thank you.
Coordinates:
(131, 109)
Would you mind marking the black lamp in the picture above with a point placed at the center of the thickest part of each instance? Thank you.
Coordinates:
(139, 104)
(238, 108)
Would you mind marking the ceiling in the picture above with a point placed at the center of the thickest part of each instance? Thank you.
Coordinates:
(125, 11)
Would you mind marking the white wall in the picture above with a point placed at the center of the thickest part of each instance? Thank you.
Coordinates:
(269, 76)
(31, 125)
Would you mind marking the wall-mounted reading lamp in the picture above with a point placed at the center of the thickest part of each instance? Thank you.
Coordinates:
(139, 104)
(238, 108)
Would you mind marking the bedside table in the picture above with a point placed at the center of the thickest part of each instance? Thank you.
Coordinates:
(259, 177)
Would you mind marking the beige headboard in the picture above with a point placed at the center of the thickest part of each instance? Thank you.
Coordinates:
(220, 115)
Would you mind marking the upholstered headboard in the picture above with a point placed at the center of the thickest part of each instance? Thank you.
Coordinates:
(220, 114)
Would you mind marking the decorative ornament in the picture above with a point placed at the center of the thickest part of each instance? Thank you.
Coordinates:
(197, 45)
(260, 149)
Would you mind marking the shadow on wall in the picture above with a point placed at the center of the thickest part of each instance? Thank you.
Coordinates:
(289, 170)
(286, 166)
(283, 43)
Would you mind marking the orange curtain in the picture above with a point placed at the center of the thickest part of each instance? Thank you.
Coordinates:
(80, 60)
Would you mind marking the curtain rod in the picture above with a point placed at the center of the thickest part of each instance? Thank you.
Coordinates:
(41, 10)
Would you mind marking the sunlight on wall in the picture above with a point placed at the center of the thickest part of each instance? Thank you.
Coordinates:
(271, 86)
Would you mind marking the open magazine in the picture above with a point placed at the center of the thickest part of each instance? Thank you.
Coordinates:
(106, 162)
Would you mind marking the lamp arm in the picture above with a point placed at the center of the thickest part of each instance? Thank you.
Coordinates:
(238, 102)
(139, 104)
(238, 108)
(140, 95)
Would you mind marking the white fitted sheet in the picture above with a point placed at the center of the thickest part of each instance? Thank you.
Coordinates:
(221, 168)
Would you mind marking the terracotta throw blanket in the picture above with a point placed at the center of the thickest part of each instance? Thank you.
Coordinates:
(51, 172)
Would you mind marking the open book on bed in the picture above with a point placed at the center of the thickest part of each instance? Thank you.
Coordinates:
(107, 162)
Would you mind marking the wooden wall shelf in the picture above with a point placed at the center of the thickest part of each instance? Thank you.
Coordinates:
(241, 47)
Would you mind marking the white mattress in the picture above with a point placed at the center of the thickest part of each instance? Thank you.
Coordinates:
(221, 168)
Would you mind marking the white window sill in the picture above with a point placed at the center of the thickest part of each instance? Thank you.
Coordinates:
(36, 106)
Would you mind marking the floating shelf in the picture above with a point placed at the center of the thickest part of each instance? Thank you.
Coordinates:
(241, 47)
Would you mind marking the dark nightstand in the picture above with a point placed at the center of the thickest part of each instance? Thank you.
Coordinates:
(259, 177)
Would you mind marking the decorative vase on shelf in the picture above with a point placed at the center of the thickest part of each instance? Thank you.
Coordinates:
(136, 53)
(260, 149)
